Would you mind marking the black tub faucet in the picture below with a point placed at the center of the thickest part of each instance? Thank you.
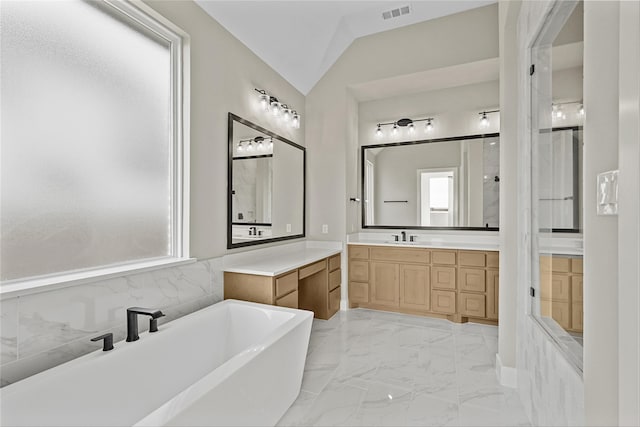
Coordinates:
(404, 236)
(132, 321)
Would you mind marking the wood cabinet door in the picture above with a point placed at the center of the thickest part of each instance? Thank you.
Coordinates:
(414, 287)
(385, 283)
(472, 305)
(561, 313)
(443, 302)
(576, 289)
(358, 292)
(359, 271)
(443, 277)
(493, 285)
(471, 279)
(554, 286)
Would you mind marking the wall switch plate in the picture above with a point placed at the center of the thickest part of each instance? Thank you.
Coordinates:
(325, 228)
(288, 228)
(607, 193)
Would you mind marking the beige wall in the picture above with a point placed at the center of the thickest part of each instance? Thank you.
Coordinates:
(332, 111)
(223, 75)
(509, 12)
(601, 44)
(455, 112)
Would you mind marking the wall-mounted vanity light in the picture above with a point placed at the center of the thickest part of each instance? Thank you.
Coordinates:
(404, 123)
(271, 104)
(259, 143)
(559, 110)
(484, 118)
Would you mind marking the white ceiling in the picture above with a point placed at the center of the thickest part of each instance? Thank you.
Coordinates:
(302, 39)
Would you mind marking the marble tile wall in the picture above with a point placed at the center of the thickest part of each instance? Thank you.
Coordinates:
(46, 329)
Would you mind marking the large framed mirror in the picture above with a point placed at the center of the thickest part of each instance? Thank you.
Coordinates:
(447, 184)
(556, 181)
(265, 186)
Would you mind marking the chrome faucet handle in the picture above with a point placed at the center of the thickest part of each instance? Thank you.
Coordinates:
(412, 238)
(396, 237)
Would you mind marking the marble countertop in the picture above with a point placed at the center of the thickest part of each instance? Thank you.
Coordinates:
(431, 244)
(276, 264)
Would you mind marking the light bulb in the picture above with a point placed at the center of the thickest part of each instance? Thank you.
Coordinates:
(581, 110)
(250, 147)
(286, 113)
(295, 120)
(260, 146)
(395, 129)
(411, 129)
(275, 108)
(429, 126)
(484, 121)
(264, 101)
(379, 131)
(559, 113)
(240, 147)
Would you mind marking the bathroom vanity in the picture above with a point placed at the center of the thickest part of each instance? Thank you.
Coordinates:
(561, 290)
(439, 281)
(308, 279)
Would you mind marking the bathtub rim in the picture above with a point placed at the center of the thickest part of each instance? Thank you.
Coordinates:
(183, 399)
(186, 398)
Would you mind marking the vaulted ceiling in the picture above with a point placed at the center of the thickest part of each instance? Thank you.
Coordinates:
(302, 39)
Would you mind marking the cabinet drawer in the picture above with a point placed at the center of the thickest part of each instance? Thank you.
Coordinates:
(358, 252)
(493, 259)
(359, 271)
(471, 279)
(576, 289)
(554, 287)
(576, 317)
(555, 263)
(290, 300)
(443, 302)
(443, 257)
(286, 284)
(443, 277)
(358, 292)
(558, 311)
(472, 305)
(335, 279)
(312, 269)
(334, 262)
(576, 265)
(472, 258)
(400, 255)
(334, 300)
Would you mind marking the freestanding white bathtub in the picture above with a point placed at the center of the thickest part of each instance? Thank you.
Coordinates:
(233, 363)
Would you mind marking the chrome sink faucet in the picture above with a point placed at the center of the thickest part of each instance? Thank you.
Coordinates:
(132, 321)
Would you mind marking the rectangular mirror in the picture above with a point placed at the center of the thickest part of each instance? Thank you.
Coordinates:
(449, 183)
(266, 186)
(557, 115)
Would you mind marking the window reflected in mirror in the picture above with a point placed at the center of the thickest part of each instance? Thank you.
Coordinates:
(266, 193)
(448, 183)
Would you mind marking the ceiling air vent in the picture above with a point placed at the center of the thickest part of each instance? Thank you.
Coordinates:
(394, 13)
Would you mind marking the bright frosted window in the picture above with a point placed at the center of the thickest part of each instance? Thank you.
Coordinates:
(88, 172)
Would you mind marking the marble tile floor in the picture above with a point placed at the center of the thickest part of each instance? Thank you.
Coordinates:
(372, 368)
